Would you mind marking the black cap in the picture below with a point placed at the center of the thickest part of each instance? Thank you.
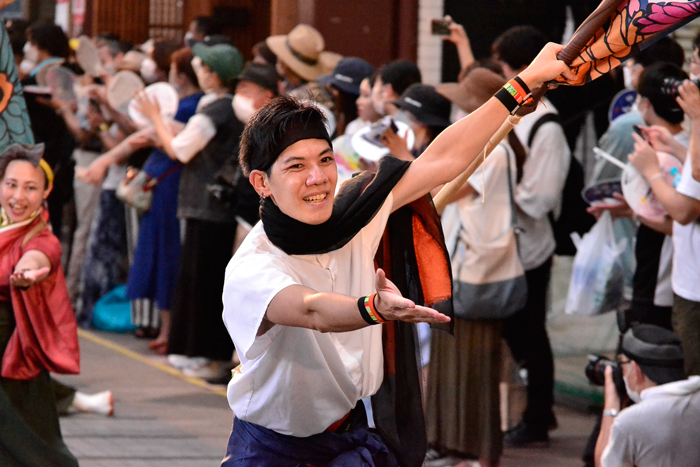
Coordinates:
(656, 350)
(426, 105)
(264, 76)
(348, 75)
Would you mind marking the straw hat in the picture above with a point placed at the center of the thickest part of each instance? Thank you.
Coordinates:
(474, 90)
(302, 50)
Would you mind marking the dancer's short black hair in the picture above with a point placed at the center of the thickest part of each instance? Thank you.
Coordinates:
(266, 130)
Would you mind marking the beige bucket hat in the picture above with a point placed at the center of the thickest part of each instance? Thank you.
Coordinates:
(302, 50)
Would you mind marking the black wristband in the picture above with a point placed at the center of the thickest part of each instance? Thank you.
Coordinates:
(363, 311)
(507, 100)
(524, 86)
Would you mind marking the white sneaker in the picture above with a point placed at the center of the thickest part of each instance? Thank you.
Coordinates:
(101, 403)
(182, 362)
(434, 459)
(208, 370)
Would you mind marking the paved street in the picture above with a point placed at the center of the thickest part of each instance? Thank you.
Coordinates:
(160, 419)
(164, 419)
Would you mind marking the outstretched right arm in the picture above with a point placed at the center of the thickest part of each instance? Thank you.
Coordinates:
(304, 307)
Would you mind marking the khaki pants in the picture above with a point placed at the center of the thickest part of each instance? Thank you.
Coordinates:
(686, 324)
(86, 200)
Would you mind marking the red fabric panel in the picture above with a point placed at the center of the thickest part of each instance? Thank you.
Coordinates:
(46, 335)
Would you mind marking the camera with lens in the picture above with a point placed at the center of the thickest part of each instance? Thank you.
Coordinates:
(671, 85)
(595, 372)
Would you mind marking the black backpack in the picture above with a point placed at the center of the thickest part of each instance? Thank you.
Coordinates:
(574, 217)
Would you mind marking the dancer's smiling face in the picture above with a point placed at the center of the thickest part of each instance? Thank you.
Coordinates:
(302, 181)
(23, 189)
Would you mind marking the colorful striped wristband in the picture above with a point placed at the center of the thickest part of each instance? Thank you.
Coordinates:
(514, 94)
(367, 310)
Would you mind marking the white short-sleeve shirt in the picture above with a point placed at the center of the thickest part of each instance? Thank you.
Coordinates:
(293, 380)
(659, 431)
(196, 134)
(686, 243)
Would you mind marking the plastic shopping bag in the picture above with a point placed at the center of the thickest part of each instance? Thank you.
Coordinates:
(599, 271)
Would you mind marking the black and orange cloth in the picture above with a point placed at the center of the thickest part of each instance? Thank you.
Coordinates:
(414, 257)
(617, 29)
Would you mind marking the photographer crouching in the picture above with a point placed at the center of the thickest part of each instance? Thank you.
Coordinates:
(660, 429)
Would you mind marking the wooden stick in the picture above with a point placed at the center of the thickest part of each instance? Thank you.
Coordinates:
(447, 193)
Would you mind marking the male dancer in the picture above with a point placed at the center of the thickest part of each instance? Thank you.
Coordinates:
(298, 295)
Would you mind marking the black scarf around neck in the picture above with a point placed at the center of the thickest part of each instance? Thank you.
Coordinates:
(355, 205)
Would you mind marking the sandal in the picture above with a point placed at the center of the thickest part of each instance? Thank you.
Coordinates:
(161, 348)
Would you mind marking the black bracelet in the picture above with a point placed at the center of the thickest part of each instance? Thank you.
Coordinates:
(507, 100)
(524, 86)
(363, 311)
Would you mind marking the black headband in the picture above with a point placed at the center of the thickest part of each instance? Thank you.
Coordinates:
(311, 128)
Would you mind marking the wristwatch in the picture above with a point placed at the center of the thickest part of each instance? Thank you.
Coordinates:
(610, 413)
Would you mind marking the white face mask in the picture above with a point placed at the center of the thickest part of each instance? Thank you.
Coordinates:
(378, 105)
(243, 108)
(634, 395)
(149, 71)
(31, 53)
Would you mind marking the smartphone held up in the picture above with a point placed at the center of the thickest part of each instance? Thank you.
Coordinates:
(440, 27)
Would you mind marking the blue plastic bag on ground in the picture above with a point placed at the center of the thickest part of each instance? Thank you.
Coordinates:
(112, 312)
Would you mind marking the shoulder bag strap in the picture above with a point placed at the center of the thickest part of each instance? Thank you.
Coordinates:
(546, 118)
(169, 171)
(513, 207)
(513, 217)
